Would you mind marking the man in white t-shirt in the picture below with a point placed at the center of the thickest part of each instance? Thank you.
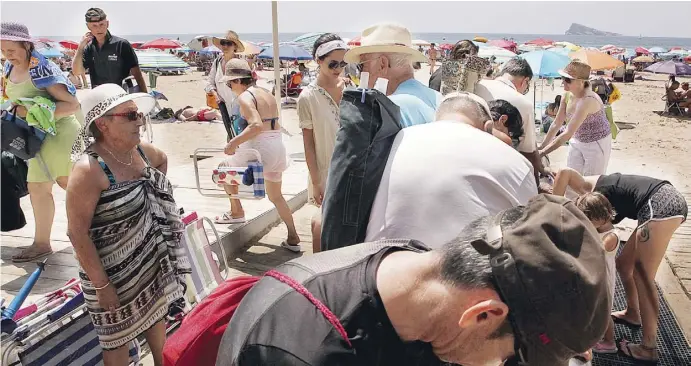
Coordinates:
(443, 175)
(511, 85)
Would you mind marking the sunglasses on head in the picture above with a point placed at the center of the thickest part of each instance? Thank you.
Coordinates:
(131, 115)
(333, 64)
(225, 42)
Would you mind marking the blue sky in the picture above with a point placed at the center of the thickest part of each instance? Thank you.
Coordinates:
(651, 19)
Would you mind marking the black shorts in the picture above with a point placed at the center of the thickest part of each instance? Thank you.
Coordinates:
(666, 203)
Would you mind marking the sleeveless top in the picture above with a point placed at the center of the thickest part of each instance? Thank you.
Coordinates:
(595, 126)
(628, 194)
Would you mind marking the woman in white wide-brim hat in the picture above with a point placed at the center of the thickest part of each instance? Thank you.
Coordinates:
(26, 76)
(588, 129)
(229, 45)
(124, 225)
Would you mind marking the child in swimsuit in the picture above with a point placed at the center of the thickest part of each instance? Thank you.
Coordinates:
(192, 114)
(600, 212)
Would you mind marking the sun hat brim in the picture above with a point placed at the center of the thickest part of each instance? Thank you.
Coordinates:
(145, 103)
(228, 78)
(16, 39)
(353, 55)
(565, 74)
(239, 47)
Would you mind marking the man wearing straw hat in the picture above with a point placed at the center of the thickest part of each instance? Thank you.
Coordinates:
(108, 58)
(385, 55)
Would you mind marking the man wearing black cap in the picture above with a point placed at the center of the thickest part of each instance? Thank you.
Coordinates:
(108, 58)
(527, 284)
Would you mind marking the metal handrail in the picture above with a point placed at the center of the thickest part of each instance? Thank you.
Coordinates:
(195, 160)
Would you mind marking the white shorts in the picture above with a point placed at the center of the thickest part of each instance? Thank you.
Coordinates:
(589, 158)
(271, 150)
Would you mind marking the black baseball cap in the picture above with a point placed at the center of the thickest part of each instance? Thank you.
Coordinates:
(95, 15)
(548, 266)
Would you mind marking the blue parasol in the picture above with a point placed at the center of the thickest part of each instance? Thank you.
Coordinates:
(286, 52)
(657, 50)
(545, 64)
(50, 52)
(306, 41)
(210, 49)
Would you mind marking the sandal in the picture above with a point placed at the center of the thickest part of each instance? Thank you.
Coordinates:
(26, 255)
(622, 321)
(625, 348)
(227, 219)
(295, 248)
(601, 348)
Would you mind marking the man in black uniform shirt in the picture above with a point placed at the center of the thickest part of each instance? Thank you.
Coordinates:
(528, 284)
(108, 58)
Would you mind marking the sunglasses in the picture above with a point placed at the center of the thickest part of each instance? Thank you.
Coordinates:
(132, 115)
(567, 80)
(333, 64)
(225, 42)
(359, 66)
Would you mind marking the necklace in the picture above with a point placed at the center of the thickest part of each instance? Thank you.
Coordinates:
(118, 160)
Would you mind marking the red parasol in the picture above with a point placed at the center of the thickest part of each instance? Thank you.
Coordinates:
(675, 48)
(355, 41)
(502, 43)
(161, 44)
(642, 50)
(446, 46)
(70, 45)
(541, 42)
(137, 44)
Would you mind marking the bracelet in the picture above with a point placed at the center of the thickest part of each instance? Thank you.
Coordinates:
(102, 287)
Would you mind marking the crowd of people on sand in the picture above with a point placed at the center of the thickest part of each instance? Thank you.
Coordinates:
(480, 265)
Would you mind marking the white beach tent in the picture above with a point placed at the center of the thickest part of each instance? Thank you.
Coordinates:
(196, 44)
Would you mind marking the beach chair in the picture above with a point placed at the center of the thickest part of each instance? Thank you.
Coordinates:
(249, 179)
(58, 335)
(671, 108)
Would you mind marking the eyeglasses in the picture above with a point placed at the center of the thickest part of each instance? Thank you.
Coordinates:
(131, 115)
(527, 88)
(567, 80)
(359, 66)
(225, 42)
(333, 64)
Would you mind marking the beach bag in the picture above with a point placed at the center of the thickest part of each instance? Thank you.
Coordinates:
(462, 75)
(18, 137)
(197, 340)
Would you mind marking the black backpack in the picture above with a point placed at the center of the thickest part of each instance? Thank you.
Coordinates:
(602, 88)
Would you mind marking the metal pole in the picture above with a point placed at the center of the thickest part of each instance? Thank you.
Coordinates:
(277, 61)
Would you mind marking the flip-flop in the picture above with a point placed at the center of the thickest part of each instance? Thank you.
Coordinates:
(227, 219)
(599, 348)
(622, 321)
(295, 248)
(20, 258)
(627, 346)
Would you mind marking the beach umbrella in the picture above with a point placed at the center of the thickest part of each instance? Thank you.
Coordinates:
(184, 49)
(670, 67)
(545, 64)
(210, 49)
(199, 42)
(568, 45)
(161, 44)
(608, 47)
(540, 42)
(560, 51)
(420, 42)
(70, 45)
(629, 52)
(50, 52)
(161, 61)
(642, 50)
(500, 54)
(355, 41)
(480, 39)
(286, 52)
(679, 52)
(643, 59)
(502, 43)
(657, 50)
(446, 46)
(687, 58)
(250, 48)
(307, 40)
(596, 59)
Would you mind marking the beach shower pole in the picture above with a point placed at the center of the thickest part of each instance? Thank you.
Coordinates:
(277, 61)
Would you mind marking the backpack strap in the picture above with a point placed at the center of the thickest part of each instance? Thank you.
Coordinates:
(320, 306)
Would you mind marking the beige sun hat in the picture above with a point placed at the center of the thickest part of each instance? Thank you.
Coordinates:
(236, 69)
(231, 36)
(385, 38)
(576, 70)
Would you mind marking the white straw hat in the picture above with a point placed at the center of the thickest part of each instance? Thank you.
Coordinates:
(105, 97)
(385, 38)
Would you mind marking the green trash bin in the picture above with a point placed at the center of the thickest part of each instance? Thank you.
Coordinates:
(153, 75)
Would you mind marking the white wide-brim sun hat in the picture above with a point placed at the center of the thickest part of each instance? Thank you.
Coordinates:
(105, 97)
(385, 38)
